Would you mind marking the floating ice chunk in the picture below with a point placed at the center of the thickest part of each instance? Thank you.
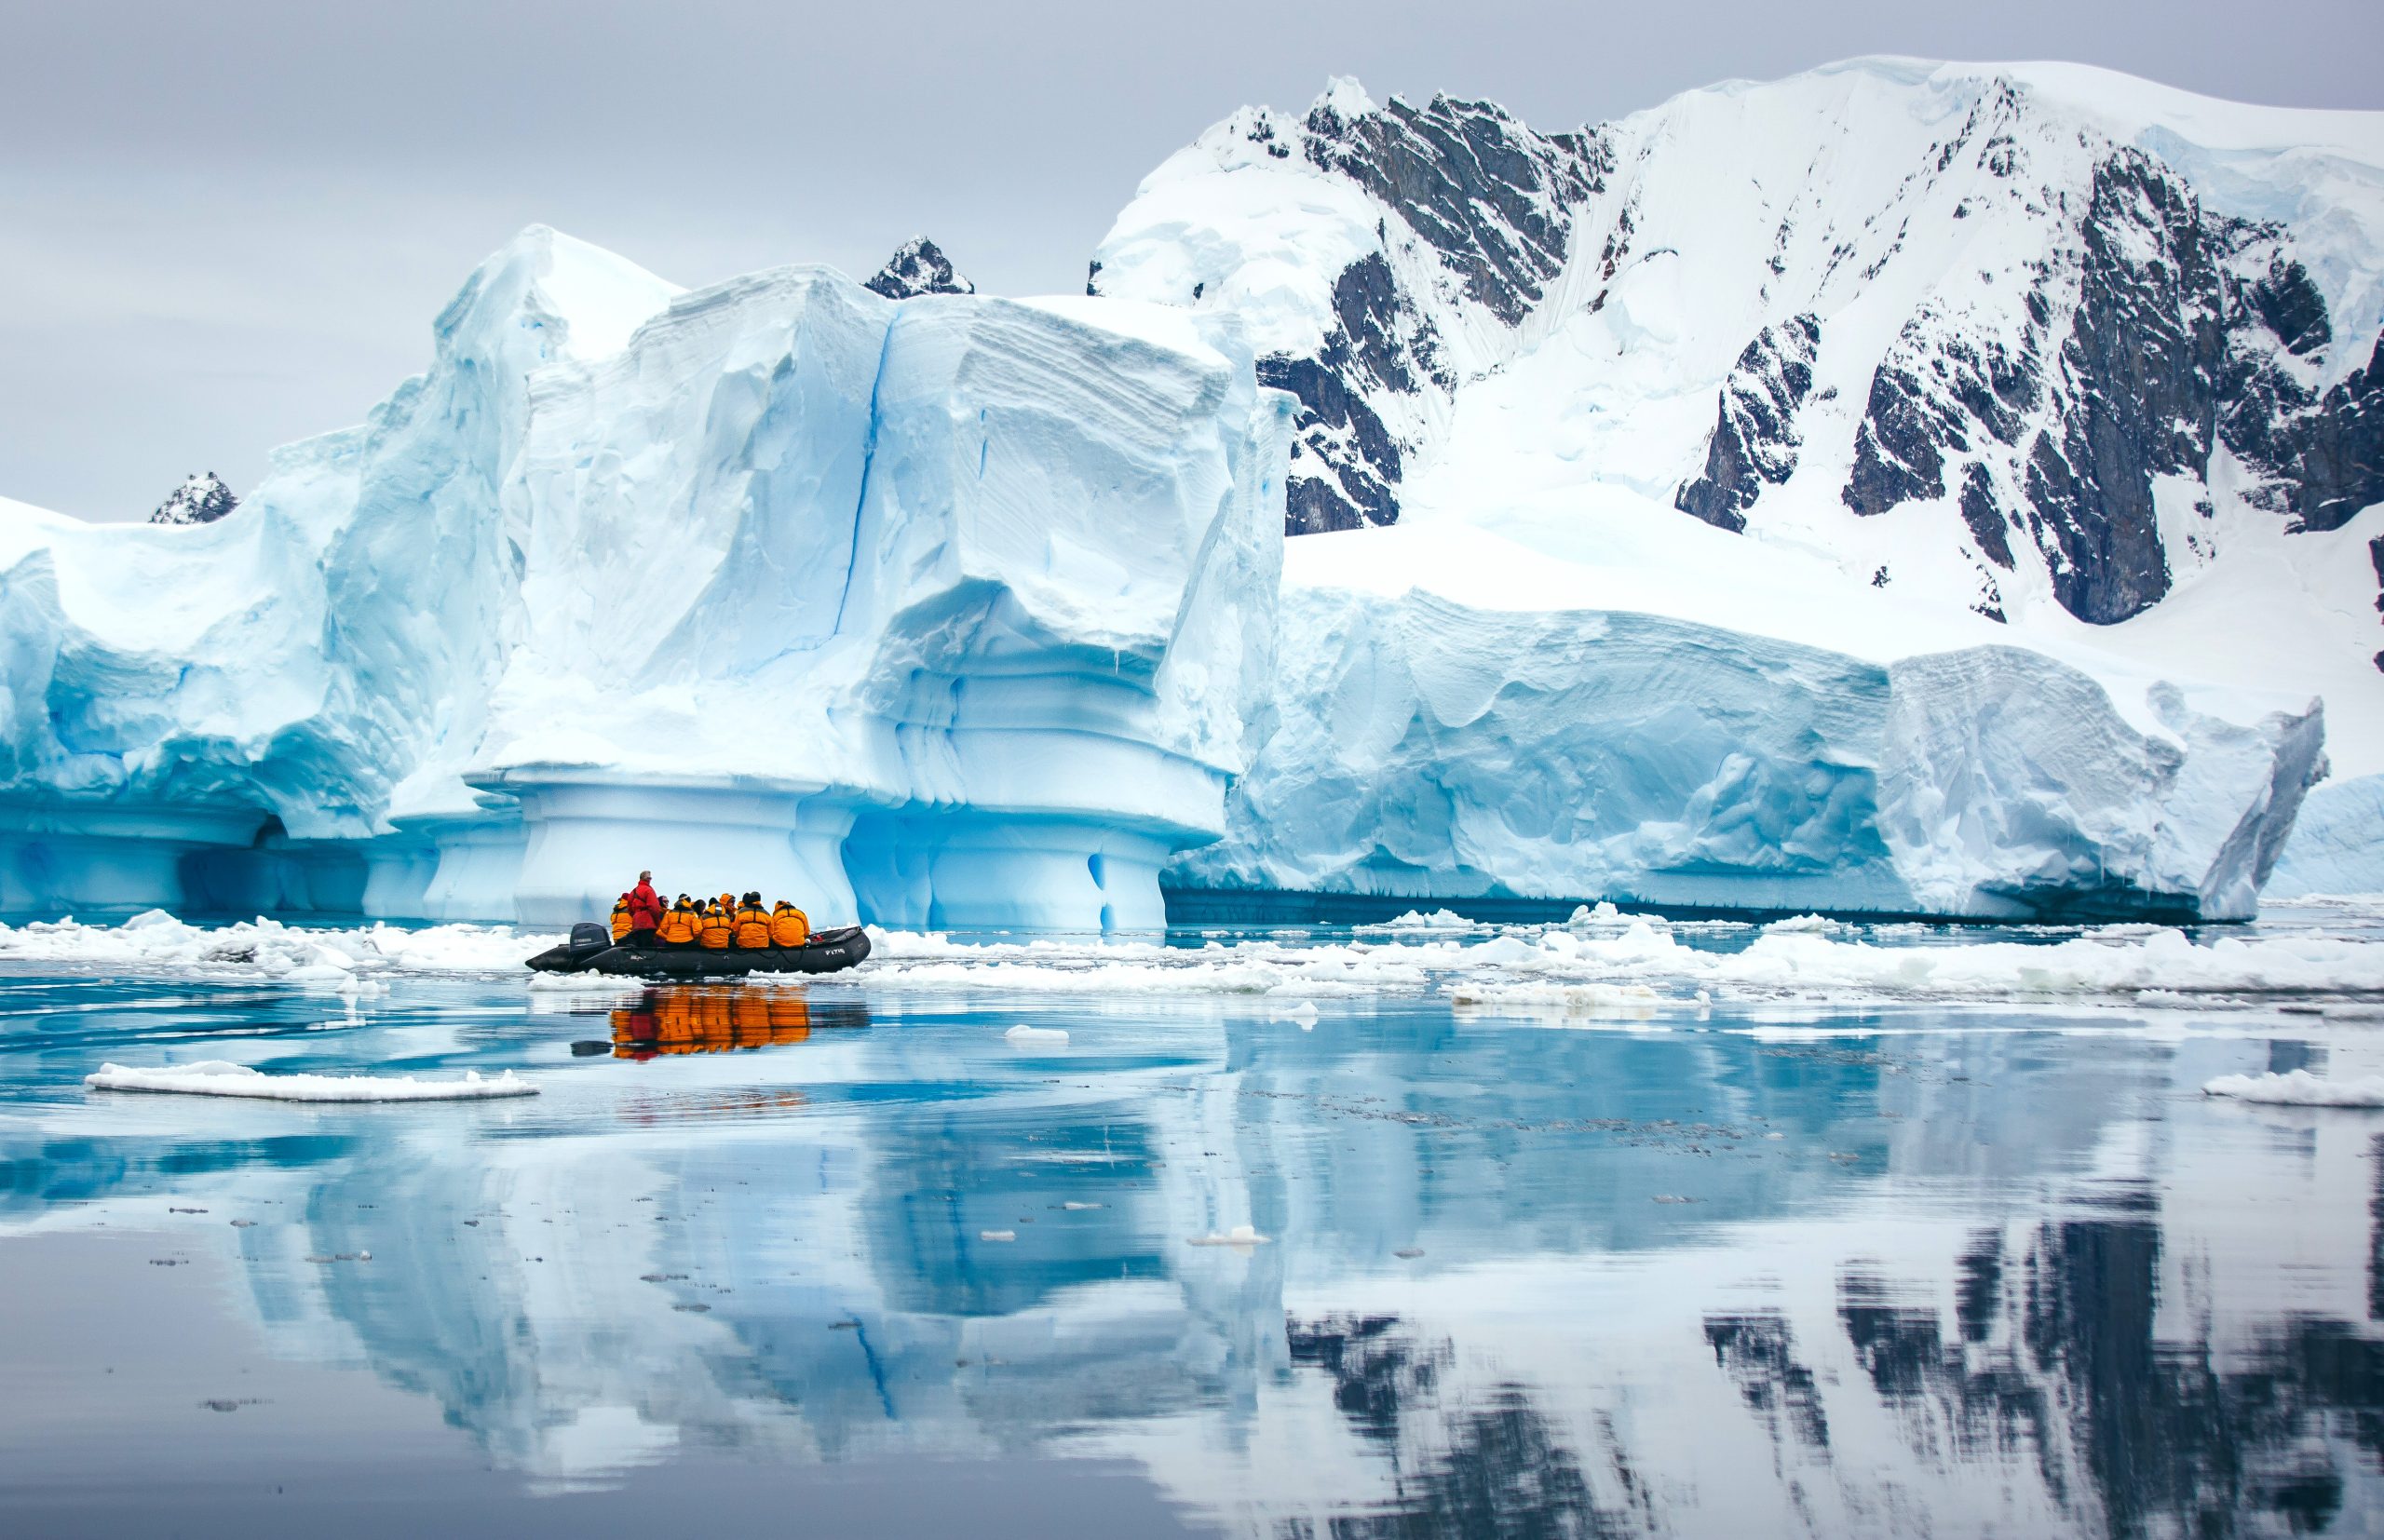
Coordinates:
(1025, 1035)
(2300, 1089)
(1303, 1012)
(220, 1077)
(996, 1234)
(1241, 1236)
(1072, 1205)
(1439, 920)
(1818, 923)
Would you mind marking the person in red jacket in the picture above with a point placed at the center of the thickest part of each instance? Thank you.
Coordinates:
(645, 911)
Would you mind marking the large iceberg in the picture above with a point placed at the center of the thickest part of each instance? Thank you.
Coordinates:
(756, 585)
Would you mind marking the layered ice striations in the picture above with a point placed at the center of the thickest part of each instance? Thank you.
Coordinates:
(754, 585)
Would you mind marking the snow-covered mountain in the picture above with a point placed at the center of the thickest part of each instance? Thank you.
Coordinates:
(200, 500)
(918, 267)
(2042, 341)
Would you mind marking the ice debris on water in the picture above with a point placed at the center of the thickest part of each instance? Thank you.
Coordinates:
(2300, 1089)
(341, 962)
(1050, 1036)
(996, 1234)
(221, 1077)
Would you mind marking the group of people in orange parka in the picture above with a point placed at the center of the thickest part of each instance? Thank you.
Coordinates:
(718, 924)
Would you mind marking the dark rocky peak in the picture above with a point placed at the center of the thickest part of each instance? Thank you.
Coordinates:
(2060, 416)
(917, 267)
(201, 500)
(1494, 198)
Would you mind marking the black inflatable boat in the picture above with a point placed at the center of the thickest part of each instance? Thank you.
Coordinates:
(591, 949)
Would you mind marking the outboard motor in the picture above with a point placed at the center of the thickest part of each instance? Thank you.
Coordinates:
(587, 940)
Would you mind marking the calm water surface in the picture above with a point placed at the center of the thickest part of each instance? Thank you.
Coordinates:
(845, 1259)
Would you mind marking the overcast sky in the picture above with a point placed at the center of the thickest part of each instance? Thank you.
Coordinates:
(227, 225)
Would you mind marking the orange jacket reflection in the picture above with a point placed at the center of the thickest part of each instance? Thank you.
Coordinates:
(709, 1021)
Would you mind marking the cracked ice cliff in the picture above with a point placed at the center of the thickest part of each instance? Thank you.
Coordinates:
(1603, 706)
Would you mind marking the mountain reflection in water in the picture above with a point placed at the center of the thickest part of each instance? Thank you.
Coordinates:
(1984, 1274)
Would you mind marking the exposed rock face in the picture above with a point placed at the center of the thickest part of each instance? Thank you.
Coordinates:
(918, 267)
(1755, 442)
(1345, 461)
(201, 500)
(2324, 453)
(2187, 331)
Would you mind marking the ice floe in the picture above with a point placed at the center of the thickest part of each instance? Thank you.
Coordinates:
(220, 1077)
(341, 960)
(2300, 1089)
(1599, 962)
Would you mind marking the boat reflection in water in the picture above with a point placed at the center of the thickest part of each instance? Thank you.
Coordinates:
(698, 1019)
